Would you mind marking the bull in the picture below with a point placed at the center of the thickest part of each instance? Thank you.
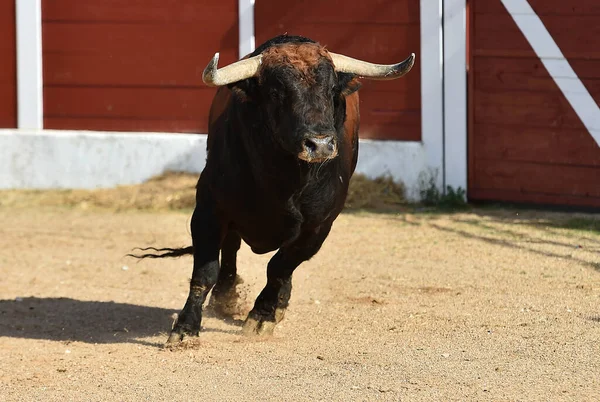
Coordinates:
(282, 147)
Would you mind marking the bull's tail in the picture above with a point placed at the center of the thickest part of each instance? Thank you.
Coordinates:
(163, 252)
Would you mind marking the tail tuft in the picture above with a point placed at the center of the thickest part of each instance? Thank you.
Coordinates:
(163, 252)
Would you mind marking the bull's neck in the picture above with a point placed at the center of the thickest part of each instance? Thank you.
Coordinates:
(274, 169)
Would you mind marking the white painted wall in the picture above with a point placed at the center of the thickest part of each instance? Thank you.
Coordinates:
(404, 161)
(82, 159)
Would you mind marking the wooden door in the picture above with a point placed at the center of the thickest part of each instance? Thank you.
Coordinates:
(526, 142)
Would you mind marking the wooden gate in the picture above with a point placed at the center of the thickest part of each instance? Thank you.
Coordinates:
(526, 142)
(133, 65)
(8, 73)
(381, 31)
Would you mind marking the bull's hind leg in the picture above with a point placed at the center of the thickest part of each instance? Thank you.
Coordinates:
(271, 303)
(206, 239)
(224, 298)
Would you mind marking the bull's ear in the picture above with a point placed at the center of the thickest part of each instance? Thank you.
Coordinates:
(243, 89)
(348, 83)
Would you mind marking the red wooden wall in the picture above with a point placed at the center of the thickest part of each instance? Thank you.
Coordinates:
(381, 31)
(526, 143)
(133, 65)
(8, 71)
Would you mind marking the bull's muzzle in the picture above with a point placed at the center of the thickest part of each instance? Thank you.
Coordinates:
(318, 148)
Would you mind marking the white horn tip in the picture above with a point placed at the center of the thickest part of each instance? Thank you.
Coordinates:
(209, 72)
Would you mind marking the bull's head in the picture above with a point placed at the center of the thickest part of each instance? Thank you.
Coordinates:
(299, 88)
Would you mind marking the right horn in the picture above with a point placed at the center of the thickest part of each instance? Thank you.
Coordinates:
(372, 71)
(240, 70)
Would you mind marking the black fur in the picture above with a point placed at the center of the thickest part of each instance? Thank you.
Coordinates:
(255, 187)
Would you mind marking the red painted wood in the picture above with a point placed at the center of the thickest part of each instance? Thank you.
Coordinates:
(494, 73)
(130, 55)
(8, 71)
(381, 31)
(530, 177)
(279, 14)
(125, 103)
(496, 34)
(525, 109)
(544, 145)
(144, 59)
(526, 143)
(139, 11)
(127, 125)
(533, 198)
(544, 7)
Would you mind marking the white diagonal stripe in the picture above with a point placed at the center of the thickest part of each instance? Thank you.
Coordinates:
(557, 65)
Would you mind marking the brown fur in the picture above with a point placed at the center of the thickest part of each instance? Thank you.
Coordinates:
(302, 56)
(351, 126)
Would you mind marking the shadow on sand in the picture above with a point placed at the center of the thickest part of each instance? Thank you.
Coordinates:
(64, 319)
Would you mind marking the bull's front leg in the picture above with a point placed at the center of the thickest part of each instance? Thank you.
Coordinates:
(272, 302)
(206, 239)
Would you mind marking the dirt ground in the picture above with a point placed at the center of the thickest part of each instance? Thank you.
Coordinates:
(484, 304)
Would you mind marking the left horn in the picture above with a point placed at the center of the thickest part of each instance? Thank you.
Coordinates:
(372, 71)
(240, 70)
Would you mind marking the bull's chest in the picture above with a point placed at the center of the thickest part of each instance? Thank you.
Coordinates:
(265, 231)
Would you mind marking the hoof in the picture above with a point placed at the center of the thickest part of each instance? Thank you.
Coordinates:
(181, 331)
(260, 326)
(174, 338)
(253, 327)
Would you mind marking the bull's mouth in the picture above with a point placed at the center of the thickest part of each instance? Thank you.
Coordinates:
(310, 157)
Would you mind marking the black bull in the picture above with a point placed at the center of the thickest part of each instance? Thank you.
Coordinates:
(282, 146)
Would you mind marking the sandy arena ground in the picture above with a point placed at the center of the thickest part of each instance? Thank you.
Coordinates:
(499, 305)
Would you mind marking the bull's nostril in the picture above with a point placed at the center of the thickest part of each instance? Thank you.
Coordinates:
(310, 145)
(319, 147)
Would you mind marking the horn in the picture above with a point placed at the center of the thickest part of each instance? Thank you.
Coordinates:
(372, 71)
(240, 70)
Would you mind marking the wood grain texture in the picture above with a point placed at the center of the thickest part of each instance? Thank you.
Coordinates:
(543, 145)
(354, 12)
(163, 11)
(128, 125)
(119, 102)
(496, 35)
(531, 177)
(143, 59)
(8, 71)
(544, 7)
(526, 143)
(383, 31)
(534, 198)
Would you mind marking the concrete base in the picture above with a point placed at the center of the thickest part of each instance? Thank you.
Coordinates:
(44, 159)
